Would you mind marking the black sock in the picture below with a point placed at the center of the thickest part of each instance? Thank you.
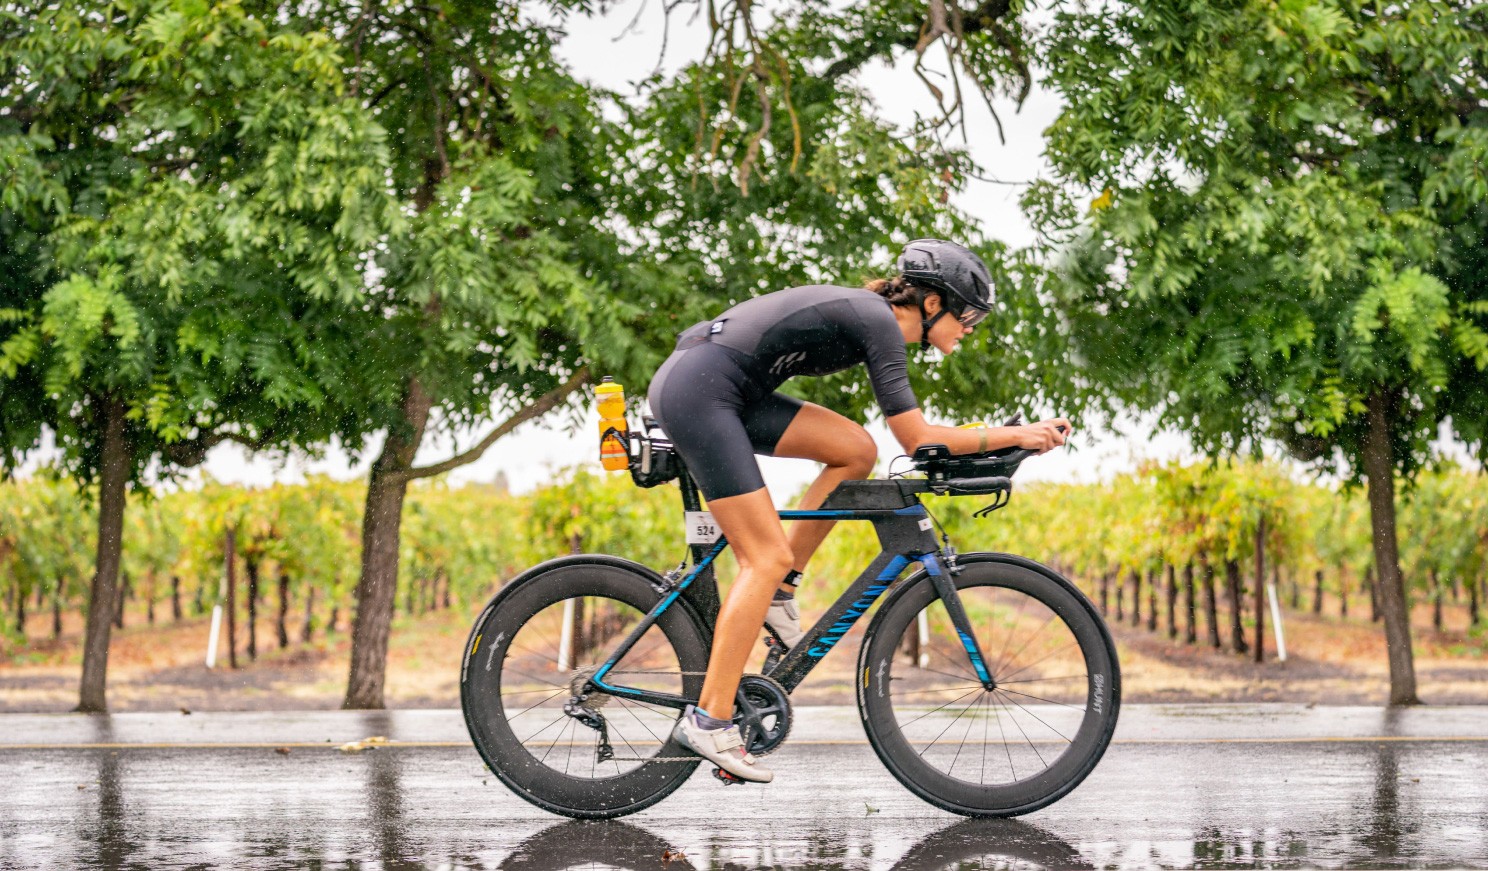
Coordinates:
(783, 596)
(792, 578)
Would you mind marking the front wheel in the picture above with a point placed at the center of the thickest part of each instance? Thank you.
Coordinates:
(1012, 749)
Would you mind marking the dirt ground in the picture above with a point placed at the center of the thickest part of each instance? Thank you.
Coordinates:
(1331, 660)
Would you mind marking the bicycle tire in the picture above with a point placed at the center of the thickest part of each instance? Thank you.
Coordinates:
(489, 657)
(1010, 583)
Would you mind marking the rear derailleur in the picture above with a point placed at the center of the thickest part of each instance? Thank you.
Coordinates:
(584, 706)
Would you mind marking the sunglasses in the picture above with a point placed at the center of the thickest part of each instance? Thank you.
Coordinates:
(971, 317)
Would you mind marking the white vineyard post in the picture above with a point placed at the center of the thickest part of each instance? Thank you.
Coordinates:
(565, 636)
(1276, 622)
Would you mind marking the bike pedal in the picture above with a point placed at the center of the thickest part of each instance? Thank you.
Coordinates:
(728, 779)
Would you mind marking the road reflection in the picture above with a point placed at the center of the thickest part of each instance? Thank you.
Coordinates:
(967, 844)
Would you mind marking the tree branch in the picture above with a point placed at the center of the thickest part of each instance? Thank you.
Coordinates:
(545, 403)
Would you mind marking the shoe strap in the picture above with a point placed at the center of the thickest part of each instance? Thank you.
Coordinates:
(727, 739)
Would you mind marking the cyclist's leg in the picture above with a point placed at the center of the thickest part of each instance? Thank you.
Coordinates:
(815, 433)
(699, 399)
(754, 532)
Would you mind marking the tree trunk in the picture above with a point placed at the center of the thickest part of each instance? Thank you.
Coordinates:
(57, 606)
(1379, 468)
(150, 603)
(1260, 591)
(447, 582)
(1343, 591)
(382, 521)
(1136, 588)
(308, 628)
(283, 622)
(1234, 594)
(113, 481)
(20, 620)
(1374, 597)
(1473, 615)
(1190, 608)
(1437, 594)
(251, 567)
(230, 547)
(1152, 575)
(1317, 592)
(1172, 601)
(175, 598)
(1211, 606)
(334, 620)
(122, 594)
(1120, 590)
(1105, 593)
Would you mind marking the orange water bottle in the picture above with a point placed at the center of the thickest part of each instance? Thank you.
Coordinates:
(611, 399)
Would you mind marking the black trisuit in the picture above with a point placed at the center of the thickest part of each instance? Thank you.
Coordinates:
(715, 396)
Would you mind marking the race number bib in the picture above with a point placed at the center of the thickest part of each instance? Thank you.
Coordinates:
(702, 528)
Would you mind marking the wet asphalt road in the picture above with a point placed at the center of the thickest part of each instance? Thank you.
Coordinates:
(1182, 786)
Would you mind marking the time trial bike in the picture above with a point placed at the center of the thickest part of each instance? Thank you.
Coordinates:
(987, 683)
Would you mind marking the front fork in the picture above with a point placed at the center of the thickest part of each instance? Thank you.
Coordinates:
(945, 588)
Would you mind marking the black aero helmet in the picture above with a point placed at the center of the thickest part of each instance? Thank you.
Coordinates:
(955, 271)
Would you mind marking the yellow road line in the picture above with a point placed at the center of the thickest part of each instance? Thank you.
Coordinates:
(325, 745)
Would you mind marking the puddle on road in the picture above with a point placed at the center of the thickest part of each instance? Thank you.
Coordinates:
(1375, 805)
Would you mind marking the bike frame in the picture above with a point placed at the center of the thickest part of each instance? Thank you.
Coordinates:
(906, 537)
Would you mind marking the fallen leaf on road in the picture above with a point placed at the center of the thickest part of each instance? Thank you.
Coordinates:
(371, 743)
(670, 856)
(186, 712)
(282, 751)
(82, 786)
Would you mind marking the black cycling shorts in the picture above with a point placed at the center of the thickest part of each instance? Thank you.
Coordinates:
(717, 417)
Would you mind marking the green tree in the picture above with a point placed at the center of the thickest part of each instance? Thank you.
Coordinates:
(1284, 233)
(184, 199)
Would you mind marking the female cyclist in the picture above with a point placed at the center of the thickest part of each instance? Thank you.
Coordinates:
(715, 397)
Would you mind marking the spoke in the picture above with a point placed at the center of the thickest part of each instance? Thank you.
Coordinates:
(1007, 641)
(971, 721)
(1084, 677)
(947, 728)
(1025, 734)
(560, 718)
(550, 692)
(1047, 701)
(639, 720)
(928, 713)
(965, 677)
(530, 707)
(955, 663)
(538, 654)
(986, 715)
(960, 687)
(518, 671)
(1036, 633)
(544, 758)
(1062, 648)
(1006, 749)
(1025, 710)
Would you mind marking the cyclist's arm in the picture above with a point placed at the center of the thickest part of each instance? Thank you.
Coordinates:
(912, 431)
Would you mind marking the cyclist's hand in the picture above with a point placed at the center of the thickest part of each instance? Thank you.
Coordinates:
(1044, 435)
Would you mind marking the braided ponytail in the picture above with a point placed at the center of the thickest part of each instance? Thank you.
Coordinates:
(897, 291)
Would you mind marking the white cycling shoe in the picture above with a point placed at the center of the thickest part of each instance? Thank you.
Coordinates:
(784, 617)
(722, 747)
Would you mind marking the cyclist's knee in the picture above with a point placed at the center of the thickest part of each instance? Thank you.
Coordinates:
(859, 453)
(770, 564)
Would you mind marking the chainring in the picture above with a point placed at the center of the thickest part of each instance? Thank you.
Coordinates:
(764, 713)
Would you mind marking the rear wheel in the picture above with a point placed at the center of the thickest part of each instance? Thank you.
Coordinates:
(534, 648)
(1000, 752)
